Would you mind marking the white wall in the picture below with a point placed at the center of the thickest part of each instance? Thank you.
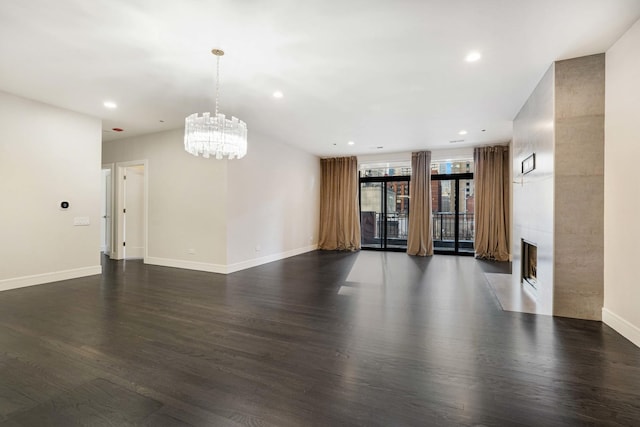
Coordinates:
(221, 209)
(187, 200)
(452, 154)
(47, 155)
(622, 202)
(404, 156)
(273, 203)
(461, 153)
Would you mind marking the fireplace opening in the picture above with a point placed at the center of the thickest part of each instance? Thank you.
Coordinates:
(529, 263)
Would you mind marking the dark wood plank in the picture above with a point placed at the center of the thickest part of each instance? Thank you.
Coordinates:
(96, 403)
(324, 338)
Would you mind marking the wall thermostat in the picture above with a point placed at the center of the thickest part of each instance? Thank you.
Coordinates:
(64, 205)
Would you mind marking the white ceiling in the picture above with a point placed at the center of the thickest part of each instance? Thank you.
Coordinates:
(378, 72)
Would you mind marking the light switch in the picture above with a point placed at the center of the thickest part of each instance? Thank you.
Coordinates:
(81, 220)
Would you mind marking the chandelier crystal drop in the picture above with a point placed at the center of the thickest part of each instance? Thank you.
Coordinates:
(215, 135)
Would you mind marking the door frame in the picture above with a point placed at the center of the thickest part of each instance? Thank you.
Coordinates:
(118, 228)
(111, 167)
(456, 177)
(383, 180)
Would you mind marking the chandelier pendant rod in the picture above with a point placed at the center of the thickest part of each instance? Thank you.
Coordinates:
(217, 83)
(218, 53)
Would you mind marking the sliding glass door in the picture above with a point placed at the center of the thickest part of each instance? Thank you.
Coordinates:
(466, 217)
(384, 212)
(371, 215)
(452, 208)
(384, 206)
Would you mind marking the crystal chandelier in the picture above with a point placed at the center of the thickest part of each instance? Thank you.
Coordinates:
(215, 135)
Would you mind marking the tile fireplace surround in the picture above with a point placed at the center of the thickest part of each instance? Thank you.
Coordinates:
(559, 205)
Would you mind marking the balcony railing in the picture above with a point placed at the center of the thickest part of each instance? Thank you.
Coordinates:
(444, 223)
(372, 226)
(444, 226)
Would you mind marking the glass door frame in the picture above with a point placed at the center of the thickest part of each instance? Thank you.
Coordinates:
(456, 178)
(384, 180)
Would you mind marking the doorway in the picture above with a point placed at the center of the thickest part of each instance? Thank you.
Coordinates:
(452, 209)
(384, 212)
(131, 210)
(106, 214)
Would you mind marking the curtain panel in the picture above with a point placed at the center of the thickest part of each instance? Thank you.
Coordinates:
(420, 239)
(492, 202)
(339, 212)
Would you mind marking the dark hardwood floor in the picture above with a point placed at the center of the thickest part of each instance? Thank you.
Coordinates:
(324, 338)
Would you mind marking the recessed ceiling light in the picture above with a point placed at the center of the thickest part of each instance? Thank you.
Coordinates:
(462, 132)
(110, 104)
(351, 143)
(473, 56)
(278, 94)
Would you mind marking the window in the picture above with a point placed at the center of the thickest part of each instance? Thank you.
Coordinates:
(448, 167)
(370, 170)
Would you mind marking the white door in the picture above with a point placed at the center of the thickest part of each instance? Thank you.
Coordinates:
(105, 220)
(134, 212)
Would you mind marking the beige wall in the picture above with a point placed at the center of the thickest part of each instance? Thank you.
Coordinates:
(187, 199)
(621, 202)
(533, 193)
(273, 203)
(233, 214)
(47, 155)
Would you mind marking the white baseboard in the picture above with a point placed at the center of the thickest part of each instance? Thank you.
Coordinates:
(56, 276)
(188, 265)
(227, 269)
(134, 252)
(243, 265)
(622, 326)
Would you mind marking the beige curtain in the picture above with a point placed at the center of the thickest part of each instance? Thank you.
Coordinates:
(492, 202)
(420, 241)
(339, 213)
